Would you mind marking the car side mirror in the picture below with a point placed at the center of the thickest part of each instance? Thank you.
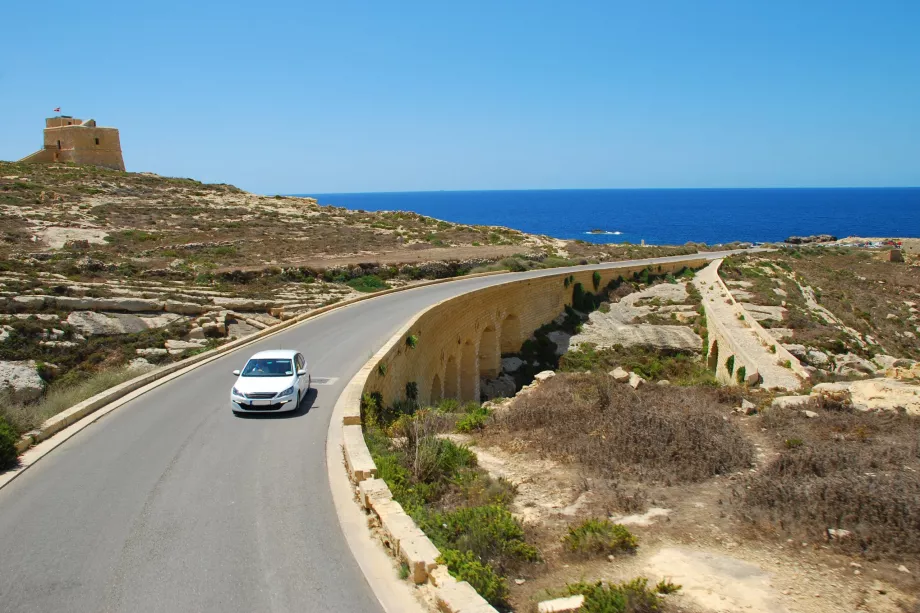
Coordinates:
(236, 373)
(301, 373)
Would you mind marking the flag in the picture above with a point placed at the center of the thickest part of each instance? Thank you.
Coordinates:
(57, 110)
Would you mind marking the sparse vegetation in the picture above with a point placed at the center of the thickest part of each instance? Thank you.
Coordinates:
(662, 434)
(367, 284)
(600, 537)
(628, 597)
(8, 438)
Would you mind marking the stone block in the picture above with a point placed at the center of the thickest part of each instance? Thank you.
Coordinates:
(370, 491)
(360, 464)
(562, 605)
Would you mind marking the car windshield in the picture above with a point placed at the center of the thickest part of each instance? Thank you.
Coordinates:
(268, 368)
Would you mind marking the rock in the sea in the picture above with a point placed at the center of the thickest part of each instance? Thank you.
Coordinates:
(815, 238)
(21, 380)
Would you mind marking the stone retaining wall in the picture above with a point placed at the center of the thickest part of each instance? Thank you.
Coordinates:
(444, 350)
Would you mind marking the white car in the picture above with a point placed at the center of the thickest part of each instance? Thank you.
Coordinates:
(271, 381)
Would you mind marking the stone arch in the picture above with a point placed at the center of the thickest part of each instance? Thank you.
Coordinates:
(511, 334)
(489, 358)
(437, 390)
(451, 379)
(469, 374)
(713, 361)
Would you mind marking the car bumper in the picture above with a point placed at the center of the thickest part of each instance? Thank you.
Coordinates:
(278, 405)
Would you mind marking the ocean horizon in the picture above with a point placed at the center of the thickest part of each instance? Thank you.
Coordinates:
(664, 216)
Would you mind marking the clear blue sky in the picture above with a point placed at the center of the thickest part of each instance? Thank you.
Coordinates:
(386, 96)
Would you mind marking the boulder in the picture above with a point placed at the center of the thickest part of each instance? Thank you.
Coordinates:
(140, 365)
(792, 402)
(818, 358)
(544, 375)
(809, 414)
(184, 308)
(664, 382)
(196, 333)
(635, 380)
(619, 374)
(21, 380)
(243, 304)
(798, 351)
(91, 323)
(747, 407)
(174, 345)
(569, 604)
(885, 361)
(151, 351)
(36, 302)
(561, 340)
(850, 364)
(502, 386)
(511, 364)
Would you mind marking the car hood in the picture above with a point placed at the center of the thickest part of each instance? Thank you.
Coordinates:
(249, 385)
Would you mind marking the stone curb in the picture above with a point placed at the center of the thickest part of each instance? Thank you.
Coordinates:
(77, 412)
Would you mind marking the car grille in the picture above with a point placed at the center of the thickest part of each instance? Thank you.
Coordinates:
(260, 395)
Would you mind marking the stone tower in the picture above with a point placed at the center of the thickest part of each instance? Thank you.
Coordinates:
(68, 139)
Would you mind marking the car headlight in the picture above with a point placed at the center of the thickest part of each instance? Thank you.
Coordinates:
(287, 392)
(237, 392)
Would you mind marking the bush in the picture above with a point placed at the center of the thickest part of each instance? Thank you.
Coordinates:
(599, 536)
(474, 419)
(490, 532)
(628, 597)
(660, 433)
(730, 364)
(596, 280)
(367, 284)
(8, 439)
(464, 566)
(846, 471)
(741, 374)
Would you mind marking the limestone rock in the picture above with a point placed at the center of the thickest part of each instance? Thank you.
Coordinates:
(850, 364)
(619, 374)
(30, 301)
(502, 386)
(635, 380)
(818, 358)
(173, 345)
(748, 407)
(809, 414)
(791, 402)
(569, 604)
(798, 351)
(196, 333)
(243, 304)
(512, 364)
(885, 361)
(184, 308)
(561, 340)
(140, 365)
(126, 305)
(151, 351)
(544, 375)
(21, 380)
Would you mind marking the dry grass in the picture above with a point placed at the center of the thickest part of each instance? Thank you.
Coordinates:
(27, 416)
(655, 434)
(842, 470)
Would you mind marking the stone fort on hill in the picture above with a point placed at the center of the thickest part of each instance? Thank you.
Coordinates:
(68, 139)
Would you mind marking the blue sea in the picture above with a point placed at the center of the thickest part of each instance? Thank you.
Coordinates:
(665, 216)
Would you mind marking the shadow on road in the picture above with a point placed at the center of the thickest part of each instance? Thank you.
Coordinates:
(306, 403)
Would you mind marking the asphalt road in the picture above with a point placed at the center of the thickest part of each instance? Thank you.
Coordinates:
(171, 503)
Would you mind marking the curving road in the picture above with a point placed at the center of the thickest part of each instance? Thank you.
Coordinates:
(170, 503)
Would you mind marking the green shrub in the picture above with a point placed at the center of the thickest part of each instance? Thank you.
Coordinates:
(474, 419)
(382, 369)
(730, 364)
(8, 440)
(465, 567)
(628, 597)
(741, 374)
(596, 280)
(665, 586)
(599, 536)
(367, 284)
(490, 532)
(412, 341)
